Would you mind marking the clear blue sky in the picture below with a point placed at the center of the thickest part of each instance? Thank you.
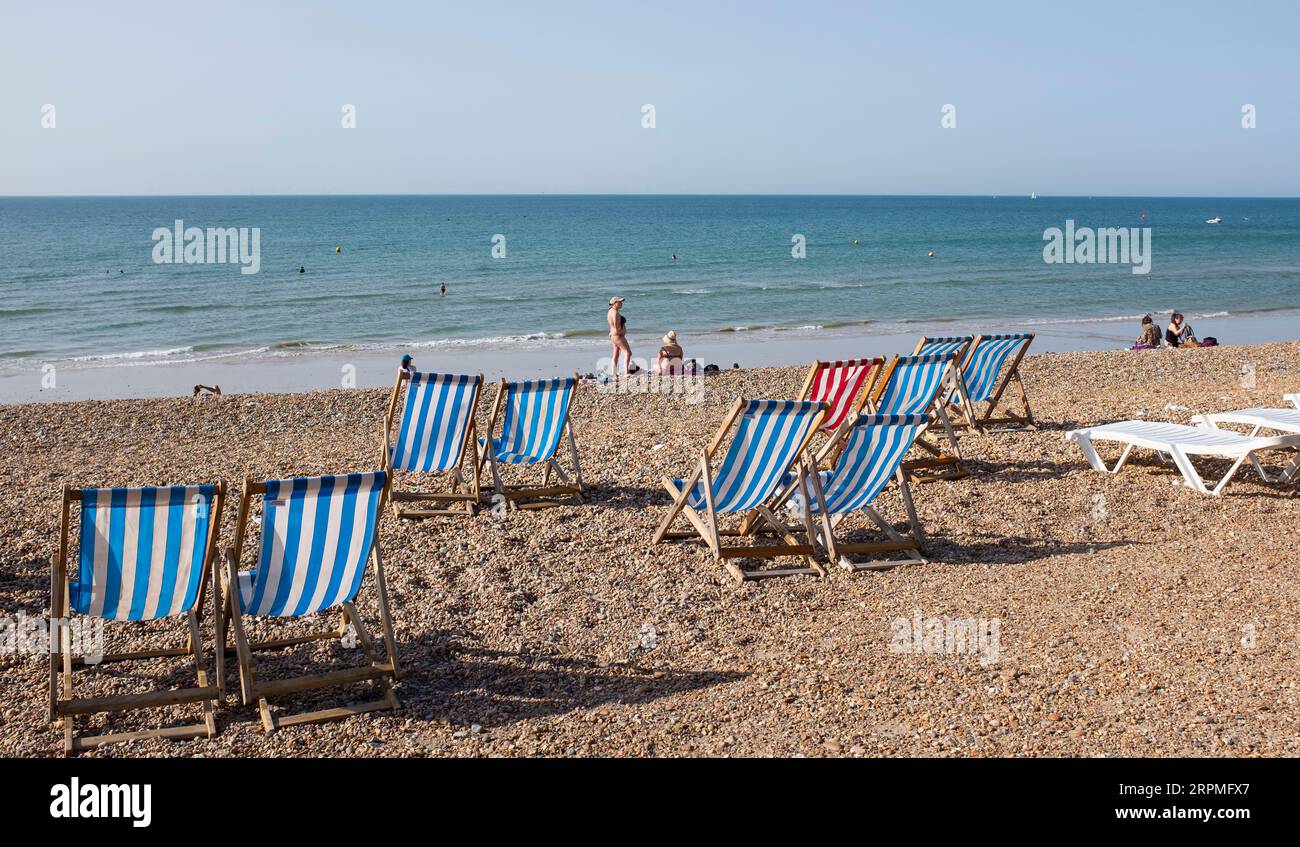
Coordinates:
(753, 97)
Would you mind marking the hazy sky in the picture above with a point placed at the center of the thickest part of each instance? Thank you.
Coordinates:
(752, 97)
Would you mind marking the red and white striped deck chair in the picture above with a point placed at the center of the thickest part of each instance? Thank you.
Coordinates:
(842, 385)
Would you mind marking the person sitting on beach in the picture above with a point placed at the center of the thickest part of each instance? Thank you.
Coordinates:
(408, 364)
(1179, 333)
(618, 337)
(670, 356)
(1150, 336)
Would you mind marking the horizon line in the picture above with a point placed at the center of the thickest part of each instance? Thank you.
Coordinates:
(997, 196)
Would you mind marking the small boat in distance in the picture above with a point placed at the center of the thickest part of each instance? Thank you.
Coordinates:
(1033, 196)
(1215, 220)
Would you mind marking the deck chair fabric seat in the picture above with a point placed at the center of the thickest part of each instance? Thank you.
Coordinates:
(874, 449)
(771, 438)
(917, 385)
(1180, 442)
(535, 419)
(142, 551)
(842, 385)
(144, 554)
(319, 539)
(953, 345)
(435, 437)
(324, 528)
(869, 459)
(991, 364)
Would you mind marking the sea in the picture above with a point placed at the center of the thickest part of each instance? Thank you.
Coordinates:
(85, 282)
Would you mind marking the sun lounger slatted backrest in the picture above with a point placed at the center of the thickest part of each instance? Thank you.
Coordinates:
(316, 535)
(142, 551)
(438, 411)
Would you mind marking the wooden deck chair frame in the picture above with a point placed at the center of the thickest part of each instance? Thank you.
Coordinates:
(942, 464)
(986, 421)
(837, 551)
(754, 522)
(548, 494)
(62, 664)
(383, 670)
(442, 503)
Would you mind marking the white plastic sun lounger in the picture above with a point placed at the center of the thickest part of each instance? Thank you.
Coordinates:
(1181, 442)
(1260, 420)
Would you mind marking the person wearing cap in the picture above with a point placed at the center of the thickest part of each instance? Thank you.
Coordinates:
(408, 364)
(618, 337)
(670, 355)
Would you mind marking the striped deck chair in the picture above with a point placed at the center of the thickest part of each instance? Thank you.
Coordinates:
(917, 385)
(771, 439)
(534, 418)
(870, 455)
(985, 375)
(842, 385)
(318, 536)
(954, 344)
(436, 436)
(143, 554)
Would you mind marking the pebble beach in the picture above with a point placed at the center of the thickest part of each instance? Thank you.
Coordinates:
(1135, 617)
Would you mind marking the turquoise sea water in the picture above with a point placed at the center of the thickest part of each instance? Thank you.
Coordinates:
(78, 280)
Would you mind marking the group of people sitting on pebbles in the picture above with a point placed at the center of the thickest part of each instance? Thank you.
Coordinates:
(1178, 334)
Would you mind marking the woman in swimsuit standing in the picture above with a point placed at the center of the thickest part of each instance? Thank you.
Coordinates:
(618, 337)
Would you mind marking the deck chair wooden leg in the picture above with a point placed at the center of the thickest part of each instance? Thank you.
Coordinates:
(201, 672)
(243, 655)
(219, 630)
(65, 648)
(918, 532)
(496, 475)
(680, 499)
(573, 454)
(368, 646)
(711, 515)
(475, 468)
(385, 615)
(828, 530)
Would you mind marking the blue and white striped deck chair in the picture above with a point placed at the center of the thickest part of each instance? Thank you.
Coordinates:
(870, 451)
(952, 344)
(436, 436)
(918, 385)
(771, 441)
(534, 419)
(143, 554)
(991, 364)
(318, 536)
